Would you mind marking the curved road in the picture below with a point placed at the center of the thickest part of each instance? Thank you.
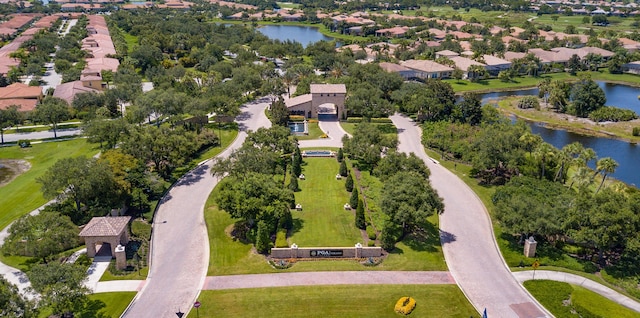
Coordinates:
(180, 245)
(468, 241)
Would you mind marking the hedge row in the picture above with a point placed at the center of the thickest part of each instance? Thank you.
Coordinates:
(355, 120)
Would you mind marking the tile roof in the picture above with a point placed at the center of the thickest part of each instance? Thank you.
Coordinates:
(463, 63)
(26, 105)
(306, 98)
(426, 66)
(19, 90)
(68, 91)
(393, 67)
(105, 226)
(328, 88)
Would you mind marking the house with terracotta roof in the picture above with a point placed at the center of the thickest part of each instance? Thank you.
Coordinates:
(495, 65)
(425, 69)
(395, 32)
(446, 53)
(403, 71)
(68, 91)
(632, 68)
(23, 95)
(464, 63)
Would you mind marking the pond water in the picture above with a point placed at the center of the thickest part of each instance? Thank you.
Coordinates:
(303, 34)
(621, 96)
(626, 154)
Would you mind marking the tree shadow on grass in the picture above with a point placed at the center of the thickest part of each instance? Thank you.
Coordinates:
(426, 239)
(92, 309)
(298, 224)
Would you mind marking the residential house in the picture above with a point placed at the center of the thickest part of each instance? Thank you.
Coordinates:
(632, 68)
(495, 65)
(403, 71)
(425, 69)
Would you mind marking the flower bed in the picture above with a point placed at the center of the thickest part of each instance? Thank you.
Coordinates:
(405, 305)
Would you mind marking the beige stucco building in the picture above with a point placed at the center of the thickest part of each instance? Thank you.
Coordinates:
(324, 99)
(100, 230)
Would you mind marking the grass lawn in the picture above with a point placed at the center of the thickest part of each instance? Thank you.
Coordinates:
(103, 305)
(384, 128)
(552, 295)
(314, 132)
(323, 220)
(22, 195)
(132, 276)
(334, 301)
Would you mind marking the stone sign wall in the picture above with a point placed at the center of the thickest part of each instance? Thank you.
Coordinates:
(326, 252)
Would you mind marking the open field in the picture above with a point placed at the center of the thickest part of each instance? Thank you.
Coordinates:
(22, 195)
(334, 301)
(553, 295)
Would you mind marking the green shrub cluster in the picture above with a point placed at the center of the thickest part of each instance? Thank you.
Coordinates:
(636, 131)
(296, 118)
(371, 232)
(529, 102)
(608, 113)
(281, 238)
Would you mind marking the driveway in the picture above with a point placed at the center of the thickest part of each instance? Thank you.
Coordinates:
(179, 244)
(334, 135)
(468, 241)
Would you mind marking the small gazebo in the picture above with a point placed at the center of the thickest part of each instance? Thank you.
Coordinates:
(109, 229)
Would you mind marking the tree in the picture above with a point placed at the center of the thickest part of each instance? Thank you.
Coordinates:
(348, 183)
(88, 183)
(340, 155)
(469, 110)
(60, 286)
(8, 117)
(360, 221)
(605, 166)
(41, 235)
(574, 64)
(105, 131)
(262, 239)
(457, 74)
(343, 169)
(293, 184)
(408, 199)
(587, 96)
(366, 100)
(13, 304)
(354, 200)
(52, 111)
(395, 162)
(279, 113)
(367, 145)
(543, 153)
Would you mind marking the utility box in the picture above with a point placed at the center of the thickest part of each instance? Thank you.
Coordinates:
(530, 245)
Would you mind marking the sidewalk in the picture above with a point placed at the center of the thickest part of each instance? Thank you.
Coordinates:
(580, 281)
(326, 278)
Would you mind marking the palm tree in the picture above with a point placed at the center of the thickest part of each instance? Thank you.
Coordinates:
(605, 166)
(568, 156)
(530, 141)
(582, 178)
(587, 155)
(543, 153)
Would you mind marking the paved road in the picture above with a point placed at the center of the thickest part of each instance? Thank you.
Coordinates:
(580, 281)
(61, 132)
(468, 241)
(334, 132)
(326, 278)
(180, 247)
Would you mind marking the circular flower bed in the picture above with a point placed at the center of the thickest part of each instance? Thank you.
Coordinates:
(405, 305)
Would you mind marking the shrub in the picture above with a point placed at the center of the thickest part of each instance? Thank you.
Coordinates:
(348, 184)
(608, 113)
(371, 233)
(281, 238)
(353, 201)
(340, 155)
(24, 143)
(343, 169)
(296, 118)
(262, 239)
(361, 223)
(636, 131)
(405, 305)
(371, 243)
(355, 120)
(293, 184)
(529, 102)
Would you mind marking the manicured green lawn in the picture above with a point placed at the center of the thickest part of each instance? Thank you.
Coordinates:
(384, 128)
(552, 295)
(314, 132)
(334, 301)
(103, 305)
(323, 220)
(22, 195)
(132, 276)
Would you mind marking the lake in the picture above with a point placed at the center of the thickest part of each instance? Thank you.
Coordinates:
(303, 34)
(621, 96)
(626, 154)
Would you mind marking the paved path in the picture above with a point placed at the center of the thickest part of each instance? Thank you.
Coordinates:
(96, 270)
(334, 132)
(468, 241)
(326, 278)
(119, 286)
(580, 281)
(179, 244)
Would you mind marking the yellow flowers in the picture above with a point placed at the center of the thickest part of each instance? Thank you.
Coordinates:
(405, 305)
